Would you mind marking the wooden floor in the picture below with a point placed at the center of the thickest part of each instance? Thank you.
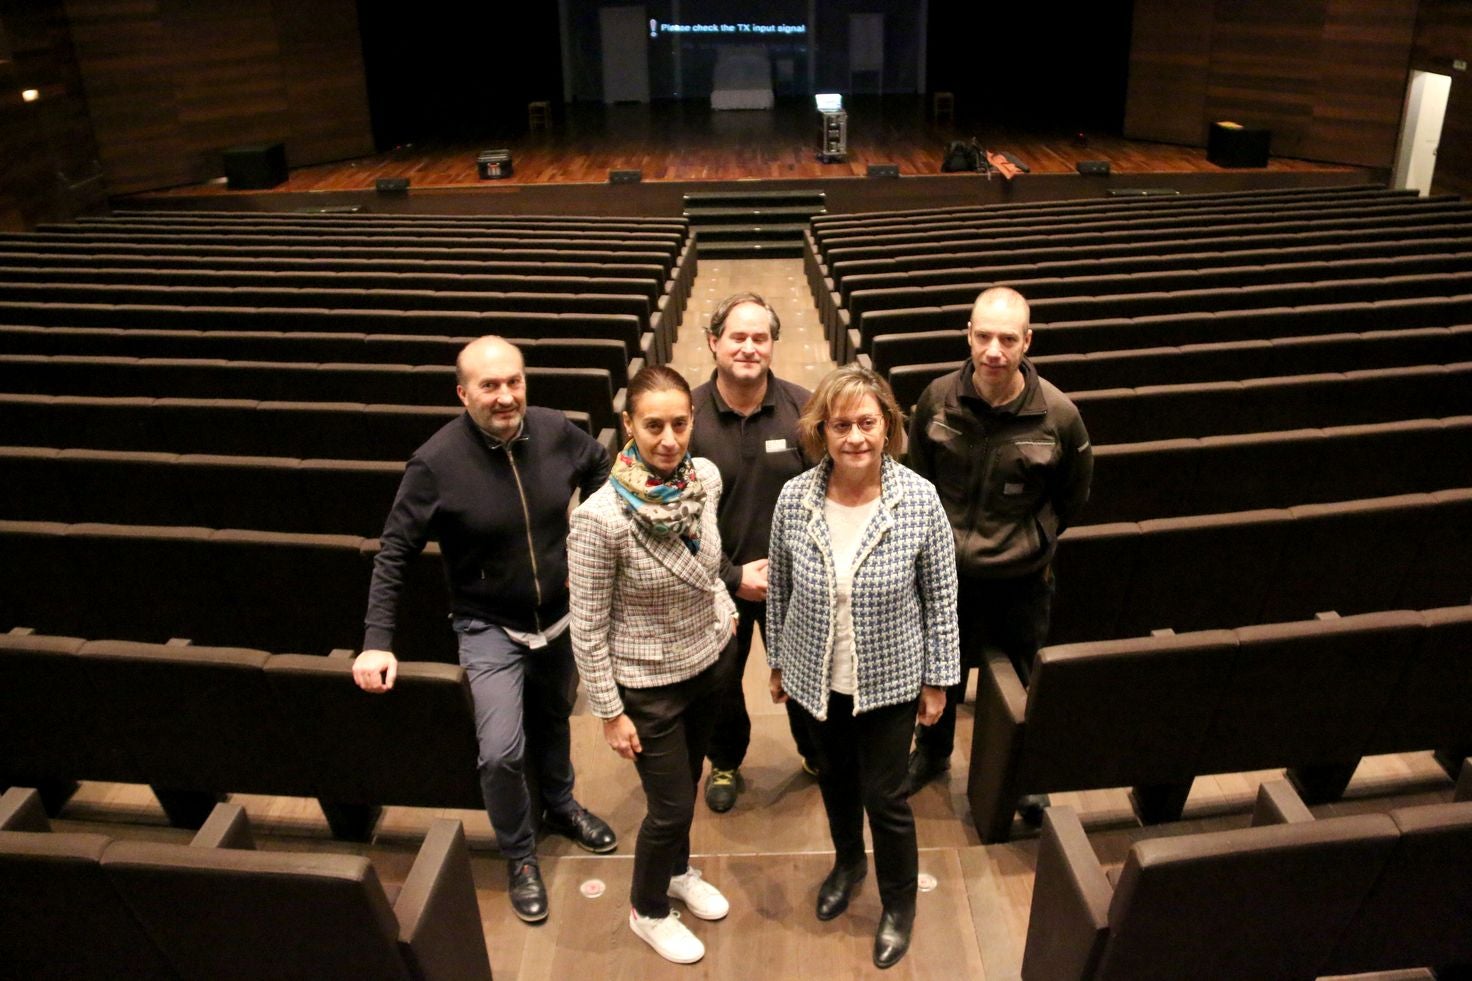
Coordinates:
(687, 141)
(770, 852)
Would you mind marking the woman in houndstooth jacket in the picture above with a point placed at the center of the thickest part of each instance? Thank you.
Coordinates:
(861, 632)
(652, 633)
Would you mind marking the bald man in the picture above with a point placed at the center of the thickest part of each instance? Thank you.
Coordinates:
(1011, 459)
(493, 488)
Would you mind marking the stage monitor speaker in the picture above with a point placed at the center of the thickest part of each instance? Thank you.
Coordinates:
(391, 185)
(255, 168)
(1141, 192)
(493, 164)
(625, 176)
(1093, 168)
(884, 170)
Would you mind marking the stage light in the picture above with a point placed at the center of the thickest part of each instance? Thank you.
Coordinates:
(30, 95)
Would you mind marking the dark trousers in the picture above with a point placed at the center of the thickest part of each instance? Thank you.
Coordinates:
(732, 735)
(674, 724)
(523, 698)
(861, 769)
(1012, 614)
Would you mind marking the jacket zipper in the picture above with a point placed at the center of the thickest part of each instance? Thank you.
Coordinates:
(526, 517)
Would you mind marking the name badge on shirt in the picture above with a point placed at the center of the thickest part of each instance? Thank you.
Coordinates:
(776, 445)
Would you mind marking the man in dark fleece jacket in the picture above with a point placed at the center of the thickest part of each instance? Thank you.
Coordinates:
(493, 488)
(1011, 459)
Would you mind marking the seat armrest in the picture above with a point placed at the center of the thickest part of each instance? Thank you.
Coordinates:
(1279, 803)
(1464, 782)
(1069, 921)
(440, 931)
(21, 810)
(226, 827)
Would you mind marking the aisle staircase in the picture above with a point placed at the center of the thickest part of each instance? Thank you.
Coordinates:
(751, 224)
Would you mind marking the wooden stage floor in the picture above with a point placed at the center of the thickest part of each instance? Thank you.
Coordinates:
(680, 146)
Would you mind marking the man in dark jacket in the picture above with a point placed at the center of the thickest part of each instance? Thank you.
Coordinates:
(1011, 459)
(493, 487)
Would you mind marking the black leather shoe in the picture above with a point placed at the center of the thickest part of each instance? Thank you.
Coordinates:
(920, 770)
(838, 888)
(892, 938)
(584, 827)
(528, 894)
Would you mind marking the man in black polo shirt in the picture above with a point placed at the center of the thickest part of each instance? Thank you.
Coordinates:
(746, 423)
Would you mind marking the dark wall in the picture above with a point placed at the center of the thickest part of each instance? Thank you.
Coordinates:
(1444, 36)
(1328, 77)
(1033, 66)
(48, 158)
(172, 83)
(444, 70)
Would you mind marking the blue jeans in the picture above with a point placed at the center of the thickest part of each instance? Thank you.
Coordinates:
(523, 698)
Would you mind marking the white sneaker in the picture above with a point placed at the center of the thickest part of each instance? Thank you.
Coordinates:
(668, 936)
(700, 897)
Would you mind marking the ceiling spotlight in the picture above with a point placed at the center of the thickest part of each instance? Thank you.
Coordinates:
(30, 95)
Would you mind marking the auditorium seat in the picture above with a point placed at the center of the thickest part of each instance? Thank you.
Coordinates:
(1267, 902)
(61, 917)
(256, 925)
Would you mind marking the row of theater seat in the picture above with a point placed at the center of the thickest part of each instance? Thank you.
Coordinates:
(965, 284)
(103, 274)
(195, 723)
(272, 493)
(1221, 268)
(1201, 572)
(1110, 216)
(1156, 253)
(82, 906)
(1312, 695)
(1154, 412)
(205, 262)
(418, 232)
(624, 328)
(1219, 474)
(676, 223)
(1171, 364)
(851, 335)
(270, 590)
(586, 390)
(838, 222)
(332, 348)
(1291, 897)
(1119, 333)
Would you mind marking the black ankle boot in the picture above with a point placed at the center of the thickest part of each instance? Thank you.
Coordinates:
(892, 938)
(839, 887)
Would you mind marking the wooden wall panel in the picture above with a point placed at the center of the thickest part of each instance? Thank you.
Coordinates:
(48, 158)
(1170, 58)
(172, 83)
(322, 63)
(1328, 77)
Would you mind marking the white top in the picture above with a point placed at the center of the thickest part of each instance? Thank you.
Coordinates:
(845, 530)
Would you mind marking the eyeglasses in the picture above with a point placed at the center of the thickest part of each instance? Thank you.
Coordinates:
(842, 427)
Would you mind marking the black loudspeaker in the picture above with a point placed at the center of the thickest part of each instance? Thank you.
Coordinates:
(1230, 145)
(884, 170)
(625, 176)
(493, 164)
(254, 168)
(391, 185)
(1093, 168)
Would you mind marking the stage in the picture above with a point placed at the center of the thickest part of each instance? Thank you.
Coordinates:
(683, 147)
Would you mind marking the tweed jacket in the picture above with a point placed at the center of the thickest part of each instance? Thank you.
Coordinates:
(645, 611)
(904, 593)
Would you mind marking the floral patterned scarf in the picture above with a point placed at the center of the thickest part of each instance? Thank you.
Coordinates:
(664, 506)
